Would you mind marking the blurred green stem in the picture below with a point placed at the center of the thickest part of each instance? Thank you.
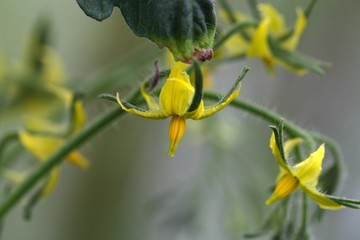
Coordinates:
(253, 7)
(228, 9)
(303, 228)
(59, 156)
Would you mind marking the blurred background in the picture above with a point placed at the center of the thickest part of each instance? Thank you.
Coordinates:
(216, 185)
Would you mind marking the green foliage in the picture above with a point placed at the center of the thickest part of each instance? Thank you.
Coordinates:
(182, 26)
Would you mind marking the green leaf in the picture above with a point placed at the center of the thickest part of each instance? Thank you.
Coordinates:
(98, 9)
(183, 26)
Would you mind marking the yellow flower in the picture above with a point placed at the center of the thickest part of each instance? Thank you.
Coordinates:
(304, 175)
(175, 99)
(43, 138)
(273, 25)
(208, 82)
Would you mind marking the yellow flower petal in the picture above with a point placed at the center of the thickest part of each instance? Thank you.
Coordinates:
(79, 116)
(177, 93)
(285, 187)
(51, 182)
(291, 43)
(308, 171)
(78, 159)
(40, 146)
(145, 114)
(170, 59)
(151, 102)
(211, 110)
(289, 145)
(323, 201)
(176, 131)
(259, 46)
(277, 23)
(276, 152)
(53, 71)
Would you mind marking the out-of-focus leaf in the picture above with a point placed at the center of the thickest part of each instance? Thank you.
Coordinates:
(299, 60)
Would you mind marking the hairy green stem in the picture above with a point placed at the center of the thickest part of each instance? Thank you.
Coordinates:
(267, 115)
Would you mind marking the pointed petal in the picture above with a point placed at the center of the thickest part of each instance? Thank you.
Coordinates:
(259, 46)
(291, 43)
(51, 182)
(140, 112)
(78, 159)
(289, 145)
(285, 187)
(151, 102)
(176, 131)
(320, 198)
(78, 117)
(40, 145)
(53, 70)
(276, 152)
(277, 23)
(211, 110)
(308, 171)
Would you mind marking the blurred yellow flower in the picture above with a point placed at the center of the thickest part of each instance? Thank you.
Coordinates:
(174, 101)
(273, 25)
(43, 138)
(304, 175)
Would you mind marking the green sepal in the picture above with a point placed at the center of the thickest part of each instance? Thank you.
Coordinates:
(346, 202)
(107, 96)
(198, 88)
(182, 26)
(279, 138)
(298, 60)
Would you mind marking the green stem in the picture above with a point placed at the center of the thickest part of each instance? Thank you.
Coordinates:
(309, 8)
(303, 228)
(238, 26)
(267, 115)
(59, 156)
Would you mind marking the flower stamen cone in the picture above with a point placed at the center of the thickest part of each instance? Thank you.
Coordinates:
(284, 188)
(176, 131)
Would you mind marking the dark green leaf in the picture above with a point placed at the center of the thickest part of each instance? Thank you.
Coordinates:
(183, 26)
